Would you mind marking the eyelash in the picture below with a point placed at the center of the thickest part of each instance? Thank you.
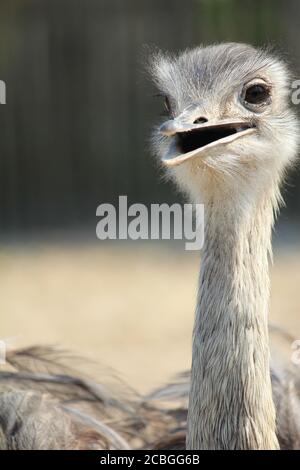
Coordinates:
(165, 112)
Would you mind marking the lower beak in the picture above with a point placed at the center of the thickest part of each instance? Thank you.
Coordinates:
(190, 141)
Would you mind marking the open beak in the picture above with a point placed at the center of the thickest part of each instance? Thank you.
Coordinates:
(193, 140)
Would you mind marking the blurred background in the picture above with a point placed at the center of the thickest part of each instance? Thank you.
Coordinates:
(74, 134)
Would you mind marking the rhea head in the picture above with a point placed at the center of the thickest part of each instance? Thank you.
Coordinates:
(229, 122)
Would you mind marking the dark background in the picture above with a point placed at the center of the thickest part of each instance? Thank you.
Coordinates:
(80, 106)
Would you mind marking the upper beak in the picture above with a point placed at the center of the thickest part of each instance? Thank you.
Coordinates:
(193, 140)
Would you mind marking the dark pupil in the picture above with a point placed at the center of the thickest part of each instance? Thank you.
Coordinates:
(256, 94)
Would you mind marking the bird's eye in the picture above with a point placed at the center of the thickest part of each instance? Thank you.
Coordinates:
(167, 105)
(257, 94)
(167, 111)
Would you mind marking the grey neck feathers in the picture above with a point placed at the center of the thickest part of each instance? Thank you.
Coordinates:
(231, 405)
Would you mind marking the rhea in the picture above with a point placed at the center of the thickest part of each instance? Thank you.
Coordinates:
(230, 137)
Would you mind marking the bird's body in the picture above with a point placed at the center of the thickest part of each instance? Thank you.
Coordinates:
(229, 139)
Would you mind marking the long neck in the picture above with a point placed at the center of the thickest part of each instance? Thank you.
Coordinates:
(231, 405)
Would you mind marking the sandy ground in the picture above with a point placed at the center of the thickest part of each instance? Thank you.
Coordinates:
(128, 308)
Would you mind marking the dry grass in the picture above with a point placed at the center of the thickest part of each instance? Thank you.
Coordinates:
(131, 309)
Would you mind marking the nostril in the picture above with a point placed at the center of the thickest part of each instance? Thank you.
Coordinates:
(200, 120)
